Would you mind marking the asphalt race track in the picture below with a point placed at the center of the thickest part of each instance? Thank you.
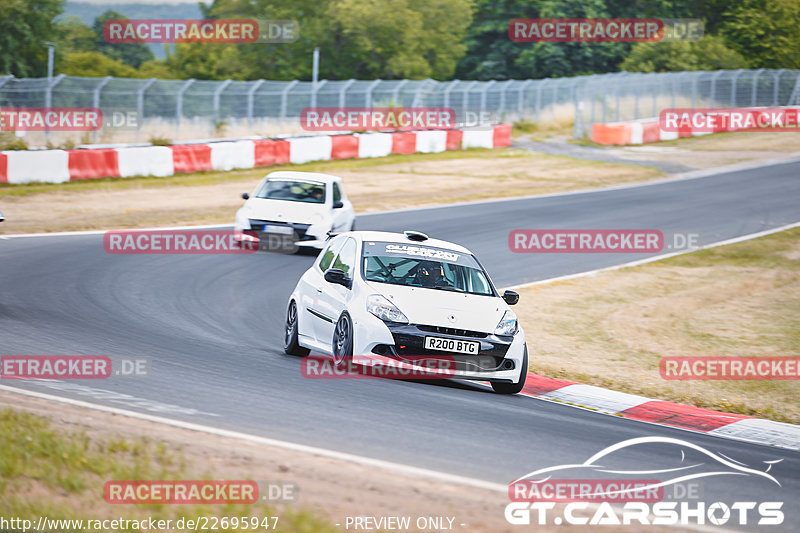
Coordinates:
(212, 326)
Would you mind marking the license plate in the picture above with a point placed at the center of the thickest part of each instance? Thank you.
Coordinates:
(281, 230)
(452, 345)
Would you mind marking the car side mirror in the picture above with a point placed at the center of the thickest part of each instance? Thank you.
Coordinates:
(338, 205)
(338, 277)
(511, 297)
(246, 196)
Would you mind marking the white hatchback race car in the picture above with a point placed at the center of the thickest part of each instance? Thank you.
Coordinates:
(299, 207)
(400, 297)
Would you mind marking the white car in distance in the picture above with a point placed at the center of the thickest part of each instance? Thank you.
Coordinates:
(406, 297)
(301, 208)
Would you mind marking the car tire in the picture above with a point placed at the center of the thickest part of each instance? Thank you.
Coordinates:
(504, 387)
(342, 346)
(290, 344)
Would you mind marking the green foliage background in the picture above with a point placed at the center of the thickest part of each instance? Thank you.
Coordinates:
(417, 39)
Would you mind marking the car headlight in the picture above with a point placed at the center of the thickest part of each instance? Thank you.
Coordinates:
(507, 325)
(384, 309)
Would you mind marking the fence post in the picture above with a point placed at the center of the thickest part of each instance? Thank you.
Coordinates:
(734, 81)
(48, 96)
(140, 104)
(217, 92)
(284, 96)
(315, 87)
(483, 94)
(755, 86)
(795, 92)
(777, 85)
(96, 99)
(539, 96)
(447, 92)
(179, 105)
(465, 102)
(713, 98)
(368, 93)
(250, 101)
(502, 107)
(521, 102)
(350, 82)
(418, 95)
(396, 93)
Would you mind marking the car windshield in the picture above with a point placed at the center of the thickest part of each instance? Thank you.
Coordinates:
(424, 266)
(292, 191)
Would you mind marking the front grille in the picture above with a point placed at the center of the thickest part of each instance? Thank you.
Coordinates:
(454, 331)
(299, 229)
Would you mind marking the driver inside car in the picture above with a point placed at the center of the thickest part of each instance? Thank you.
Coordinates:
(430, 274)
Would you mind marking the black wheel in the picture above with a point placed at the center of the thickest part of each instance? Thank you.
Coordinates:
(290, 344)
(343, 340)
(503, 387)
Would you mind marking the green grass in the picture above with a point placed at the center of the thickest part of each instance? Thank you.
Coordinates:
(46, 472)
(214, 177)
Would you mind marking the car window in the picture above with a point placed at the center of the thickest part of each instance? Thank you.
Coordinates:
(337, 194)
(424, 266)
(292, 191)
(327, 255)
(346, 258)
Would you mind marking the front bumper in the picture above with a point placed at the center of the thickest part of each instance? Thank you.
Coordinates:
(499, 357)
(281, 236)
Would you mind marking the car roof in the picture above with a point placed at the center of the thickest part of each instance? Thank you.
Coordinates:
(385, 236)
(304, 176)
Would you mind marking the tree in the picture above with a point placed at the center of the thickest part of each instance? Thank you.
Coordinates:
(767, 32)
(24, 26)
(133, 54)
(357, 39)
(709, 53)
(94, 64)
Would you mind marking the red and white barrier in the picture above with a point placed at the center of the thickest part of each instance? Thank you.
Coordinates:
(649, 130)
(145, 161)
(58, 166)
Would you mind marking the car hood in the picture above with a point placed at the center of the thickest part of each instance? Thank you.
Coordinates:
(444, 308)
(264, 209)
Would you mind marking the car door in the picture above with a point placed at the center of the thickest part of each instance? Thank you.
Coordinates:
(313, 284)
(342, 216)
(333, 299)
